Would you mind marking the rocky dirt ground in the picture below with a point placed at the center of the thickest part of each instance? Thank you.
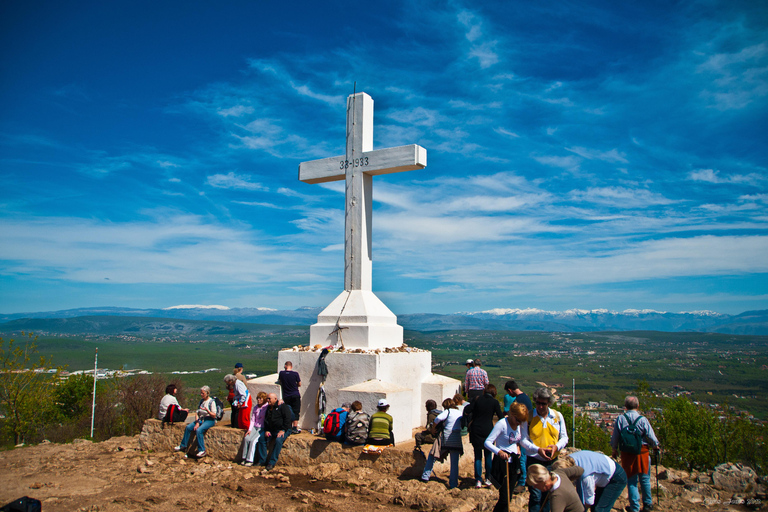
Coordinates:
(116, 475)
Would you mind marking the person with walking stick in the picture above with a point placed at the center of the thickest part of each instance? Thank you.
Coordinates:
(504, 442)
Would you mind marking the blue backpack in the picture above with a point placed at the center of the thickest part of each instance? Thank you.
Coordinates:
(333, 426)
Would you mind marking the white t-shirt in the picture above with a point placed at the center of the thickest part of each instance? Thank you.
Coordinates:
(166, 402)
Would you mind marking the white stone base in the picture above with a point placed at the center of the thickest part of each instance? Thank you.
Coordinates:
(405, 379)
(366, 322)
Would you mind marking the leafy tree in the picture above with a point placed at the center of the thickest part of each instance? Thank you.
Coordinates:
(73, 397)
(689, 434)
(25, 394)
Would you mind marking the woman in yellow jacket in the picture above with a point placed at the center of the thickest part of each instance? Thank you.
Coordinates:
(543, 438)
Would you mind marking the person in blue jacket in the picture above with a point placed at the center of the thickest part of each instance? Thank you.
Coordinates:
(343, 411)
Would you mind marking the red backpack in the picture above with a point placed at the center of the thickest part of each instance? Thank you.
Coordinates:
(332, 423)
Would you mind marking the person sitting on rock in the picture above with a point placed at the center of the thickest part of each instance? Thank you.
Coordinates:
(277, 427)
(380, 432)
(428, 436)
(170, 410)
(206, 418)
(335, 422)
(250, 441)
(357, 424)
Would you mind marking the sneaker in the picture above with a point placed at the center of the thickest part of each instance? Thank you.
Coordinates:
(519, 489)
(248, 464)
(297, 430)
(648, 508)
(200, 454)
(270, 467)
(425, 480)
(479, 485)
(177, 448)
(488, 483)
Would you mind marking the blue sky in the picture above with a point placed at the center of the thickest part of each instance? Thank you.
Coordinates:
(580, 154)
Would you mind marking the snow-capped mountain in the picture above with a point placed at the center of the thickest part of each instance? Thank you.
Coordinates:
(528, 319)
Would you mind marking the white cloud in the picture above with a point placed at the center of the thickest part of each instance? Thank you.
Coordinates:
(620, 197)
(506, 132)
(741, 77)
(612, 156)
(171, 248)
(236, 111)
(565, 162)
(483, 51)
(655, 259)
(418, 116)
(234, 181)
(304, 90)
(713, 176)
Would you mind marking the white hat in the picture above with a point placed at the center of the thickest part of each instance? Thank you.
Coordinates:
(470, 361)
(383, 402)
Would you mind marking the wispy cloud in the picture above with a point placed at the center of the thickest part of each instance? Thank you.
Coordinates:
(233, 181)
(620, 197)
(713, 176)
(236, 111)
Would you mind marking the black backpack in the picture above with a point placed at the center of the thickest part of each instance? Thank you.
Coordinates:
(630, 437)
(219, 408)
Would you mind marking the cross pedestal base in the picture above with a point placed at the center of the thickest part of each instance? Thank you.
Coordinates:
(404, 378)
(364, 320)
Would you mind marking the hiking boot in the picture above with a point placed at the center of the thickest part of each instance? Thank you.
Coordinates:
(519, 489)
(647, 508)
(270, 467)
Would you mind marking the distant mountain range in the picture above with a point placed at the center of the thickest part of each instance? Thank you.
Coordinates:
(574, 320)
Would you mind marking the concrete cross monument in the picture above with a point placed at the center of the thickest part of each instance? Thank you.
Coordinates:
(368, 361)
(357, 317)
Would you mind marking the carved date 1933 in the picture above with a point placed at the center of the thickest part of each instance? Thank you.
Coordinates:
(357, 162)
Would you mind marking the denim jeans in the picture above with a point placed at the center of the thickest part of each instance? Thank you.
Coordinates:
(453, 478)
(606, 496)
(262, 446)
(645, 488)
(523, 472)
(534, 495)
(201, 430)
(481, 452)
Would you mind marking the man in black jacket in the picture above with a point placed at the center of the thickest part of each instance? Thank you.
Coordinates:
(481, 412)
(277, 426)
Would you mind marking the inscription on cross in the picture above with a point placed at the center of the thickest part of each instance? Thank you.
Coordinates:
(357, 167)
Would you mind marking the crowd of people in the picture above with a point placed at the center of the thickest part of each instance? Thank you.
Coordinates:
(517, 446)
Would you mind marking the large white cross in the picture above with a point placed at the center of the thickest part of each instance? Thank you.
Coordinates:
(357, 167)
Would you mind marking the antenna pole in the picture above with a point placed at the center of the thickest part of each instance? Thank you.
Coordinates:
(93, 405)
